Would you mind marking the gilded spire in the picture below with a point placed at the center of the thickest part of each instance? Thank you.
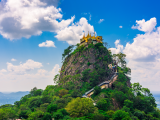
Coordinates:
(88, 34)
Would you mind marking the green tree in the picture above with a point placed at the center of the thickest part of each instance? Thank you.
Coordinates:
(32, 91)
(63, 92)
(80, 107)
(52, 108)
(121, 115)
(7, 113)
(102, 104)
(47, 116)
(129, 104)
(67, 51)
(119, 96)
(139, 114)
(46, 99)
(35, 115)
(97, 90)
(136, 88)
(34, 102)
(120, 59)
(56, 79)
(60, 114)
(110, 113)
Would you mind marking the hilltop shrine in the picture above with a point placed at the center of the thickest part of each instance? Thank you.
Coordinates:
(90, 39)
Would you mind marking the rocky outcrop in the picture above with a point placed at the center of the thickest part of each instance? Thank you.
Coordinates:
(94, 61)
(89, 58)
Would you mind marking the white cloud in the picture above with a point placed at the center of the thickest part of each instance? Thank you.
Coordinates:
(101, 20)
(26, 81)
(3, 71)
(73, 33)
(47, 63)
(42, 71)
(48, 43)
(119, 47)
(146, 26)
(143, 55)
(24, 18)
(120, 26)
(145, 47)
(23, 68)
(55, 69)
(13, 59)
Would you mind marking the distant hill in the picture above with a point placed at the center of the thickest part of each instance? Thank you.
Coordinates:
(10, 98)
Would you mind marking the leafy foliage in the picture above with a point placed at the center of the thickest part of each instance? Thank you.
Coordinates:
(63, 101)
(80, 107)
(67, 51)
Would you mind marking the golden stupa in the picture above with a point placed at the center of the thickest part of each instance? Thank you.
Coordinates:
(90, 39)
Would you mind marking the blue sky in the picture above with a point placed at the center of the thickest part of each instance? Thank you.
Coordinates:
(26, 61)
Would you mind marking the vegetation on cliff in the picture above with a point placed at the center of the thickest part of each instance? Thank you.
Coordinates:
(83, 68)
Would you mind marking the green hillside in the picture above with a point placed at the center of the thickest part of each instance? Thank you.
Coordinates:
(84, 69)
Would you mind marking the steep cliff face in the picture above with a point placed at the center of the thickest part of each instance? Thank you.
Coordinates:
(88, 62)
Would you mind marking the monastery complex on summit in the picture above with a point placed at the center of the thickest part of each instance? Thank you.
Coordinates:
(90, 39)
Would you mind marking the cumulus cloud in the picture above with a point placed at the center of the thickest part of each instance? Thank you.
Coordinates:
(23, 68)
(3, 71)
(118, 49)
(73, 33)
(145, 47)
(120, 26)
(143, 55)
(146, 26)
(24, 18)
(25, 82)
(101, 20)
(48, 43)
(55, 69)
(13, 59)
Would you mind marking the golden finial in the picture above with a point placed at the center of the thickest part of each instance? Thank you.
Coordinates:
(88, 34)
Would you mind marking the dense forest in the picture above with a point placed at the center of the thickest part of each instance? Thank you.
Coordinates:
(84, 67)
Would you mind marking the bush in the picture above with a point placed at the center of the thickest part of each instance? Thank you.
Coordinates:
(35, 115)
(47, 116)
(98, 116)
(129, 104)
(139, 114)
(63, 92)
(119, 96)
(80, 107)
(97, 90)
(102, 104)
(52, 108)
(88, 63)
(85, 74)
(58, 115)
(121, 115)
(110, 113)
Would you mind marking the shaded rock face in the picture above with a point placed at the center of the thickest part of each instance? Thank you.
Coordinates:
(90, 58)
